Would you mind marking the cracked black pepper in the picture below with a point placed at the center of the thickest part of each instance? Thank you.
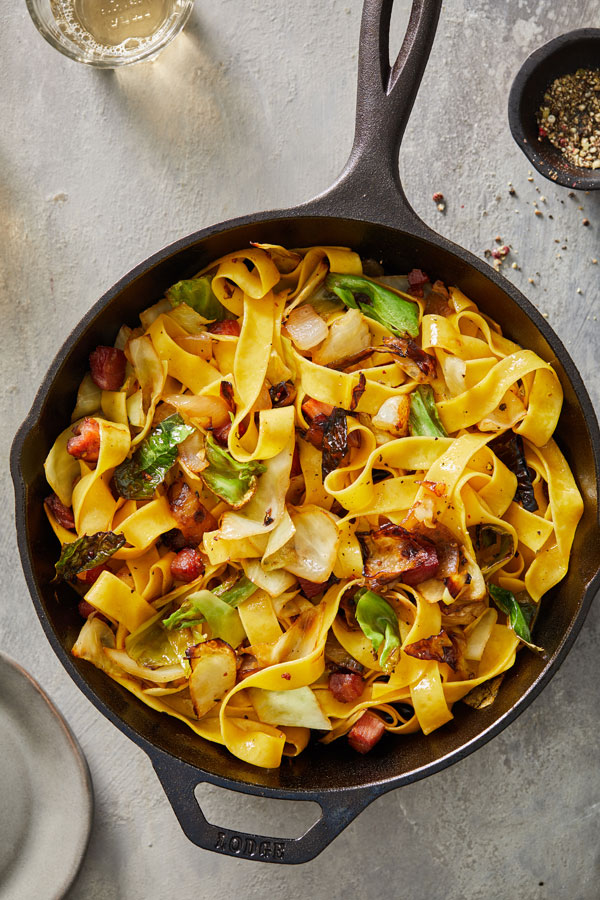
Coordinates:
(569, 117)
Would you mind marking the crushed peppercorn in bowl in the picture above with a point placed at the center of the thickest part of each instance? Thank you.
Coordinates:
(566, 55)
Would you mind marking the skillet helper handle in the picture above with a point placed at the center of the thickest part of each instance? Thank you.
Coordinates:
(338, 810)
(385, 97)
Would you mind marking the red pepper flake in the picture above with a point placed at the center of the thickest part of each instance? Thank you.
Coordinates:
(286, 675)
(438, 197)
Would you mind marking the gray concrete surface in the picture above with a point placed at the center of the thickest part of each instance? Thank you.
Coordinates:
(252, 107)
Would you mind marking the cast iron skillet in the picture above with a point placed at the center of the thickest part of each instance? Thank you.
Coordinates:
(365, 209)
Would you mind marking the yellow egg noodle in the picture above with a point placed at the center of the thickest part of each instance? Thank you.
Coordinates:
(383, 509)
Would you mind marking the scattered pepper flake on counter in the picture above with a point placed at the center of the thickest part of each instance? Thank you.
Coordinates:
(439, 199)
(501, 252)
(570, 117)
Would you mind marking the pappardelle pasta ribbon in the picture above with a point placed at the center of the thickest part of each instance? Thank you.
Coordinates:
(287, 513)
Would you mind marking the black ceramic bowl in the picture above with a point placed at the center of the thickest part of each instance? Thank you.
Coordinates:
(565, 54)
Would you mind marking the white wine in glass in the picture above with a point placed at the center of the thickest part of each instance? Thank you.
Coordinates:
(109, 32)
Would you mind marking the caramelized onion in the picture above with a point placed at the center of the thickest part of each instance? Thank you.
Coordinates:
(305, 327)
(211, 412)
(197, 344)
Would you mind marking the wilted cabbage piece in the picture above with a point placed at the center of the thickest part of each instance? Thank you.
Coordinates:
(197, 293)
(160, 675)
(203, 606)
(478, 633)
(137, 478)
(376, 302)
(379, 623)
(152, 645)
(297, 708)
(348, 337)
(440, 647)
(87, 552)
(508, 447)
(232, 481)
(298, 641)
(493, 547)
(213, 674)
(424, 419)
(235, 594)
(312, 548)
(93, 638)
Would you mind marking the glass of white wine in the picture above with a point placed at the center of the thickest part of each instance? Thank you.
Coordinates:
(109, 33)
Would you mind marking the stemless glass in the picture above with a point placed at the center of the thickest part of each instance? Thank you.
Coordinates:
(109, 33)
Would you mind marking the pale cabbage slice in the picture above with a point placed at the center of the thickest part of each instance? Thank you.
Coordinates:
(311, 552)
(266, 506)
(348, 335)
(94, 638)
(160, 675)
(478, 633)
(274, 583)
(300, 640)
(297, 707)
(213, 674)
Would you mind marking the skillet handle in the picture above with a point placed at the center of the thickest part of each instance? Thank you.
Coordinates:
(338, 810)
(369, 186)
